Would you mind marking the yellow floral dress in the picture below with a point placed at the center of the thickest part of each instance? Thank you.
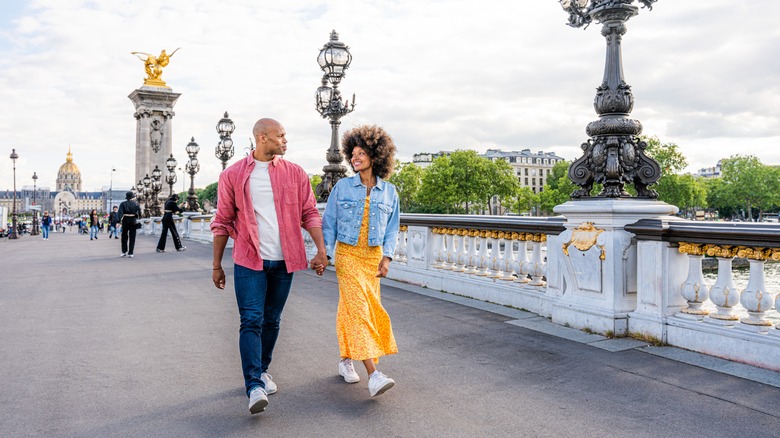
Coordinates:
(362, 324)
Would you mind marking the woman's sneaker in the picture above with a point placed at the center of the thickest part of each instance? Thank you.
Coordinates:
(378, 383)
(270, 386)
(258, 400)
(347, 371)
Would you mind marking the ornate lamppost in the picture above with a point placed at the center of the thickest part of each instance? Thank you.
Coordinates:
(614, 155)
(224, 150)
(14, 234)
(111, 190)
(146, 189)
(156, 187)
(170, 177)
(34, 231)
(192, 167)
(334, 59)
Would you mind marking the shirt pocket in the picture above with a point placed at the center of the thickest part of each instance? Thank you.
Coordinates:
(290, 194)
(346, 212)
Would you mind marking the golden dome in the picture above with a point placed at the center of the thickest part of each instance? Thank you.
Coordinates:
(69, 166)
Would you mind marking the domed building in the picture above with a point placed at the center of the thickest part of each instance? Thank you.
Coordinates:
(69, 200)
(69, 176)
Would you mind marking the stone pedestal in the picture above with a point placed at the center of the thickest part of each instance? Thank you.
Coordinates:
(154, 128)
(592, 265)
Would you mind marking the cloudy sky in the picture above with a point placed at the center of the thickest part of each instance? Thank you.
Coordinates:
(437, 74)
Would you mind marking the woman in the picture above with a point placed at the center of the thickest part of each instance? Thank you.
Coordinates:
(168, 224)
(93, 224)
(45, 224)
(362, 214)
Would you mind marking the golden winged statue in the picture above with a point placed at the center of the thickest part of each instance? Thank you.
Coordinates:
(154, 65)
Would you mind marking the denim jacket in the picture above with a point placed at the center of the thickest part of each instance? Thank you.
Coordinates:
(344, 215)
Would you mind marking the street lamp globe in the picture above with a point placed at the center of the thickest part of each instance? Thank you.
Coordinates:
(225, 126)
(156, 173)
(323, 96)
(171, 163)
(192, 148)
(334, 58)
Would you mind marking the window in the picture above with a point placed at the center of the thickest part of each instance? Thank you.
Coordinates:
(526, 172)
(526, 180)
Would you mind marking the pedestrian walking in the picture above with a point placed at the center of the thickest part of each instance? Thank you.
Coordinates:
(264, 201)
(93, 224)
(45, 225)
(167, 224)
(362, 219)
(129, 212)
(113, 223)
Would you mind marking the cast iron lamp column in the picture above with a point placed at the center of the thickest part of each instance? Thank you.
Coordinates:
(334, 59)
(170, 178)
(14, 234)
(224, 150)
(156, 189)
(147, 191)
(34, 231)
(614, 155)
(111, 190)
(192, 167)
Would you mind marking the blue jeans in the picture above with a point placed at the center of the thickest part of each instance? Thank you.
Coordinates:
(45, 229)
(93, 231)
(112, 232)
(260, 296)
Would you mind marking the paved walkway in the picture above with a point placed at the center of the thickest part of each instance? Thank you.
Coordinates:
(94, 345)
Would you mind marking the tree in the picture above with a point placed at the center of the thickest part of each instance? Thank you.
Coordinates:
(408, 180)
(315, 180)
(558, 188)
(525, 200)
(749, 184)
(668, 155)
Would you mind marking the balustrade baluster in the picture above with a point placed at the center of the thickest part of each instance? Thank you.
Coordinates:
(400, 253)
(473, 260)
(693, 288)
(439, 251)
(496, 261)
(452, 253)
(521, 260)
(461, 259)
(536, 267)
(509, 257)
(756, 299)
(484, 258)
(724, 294)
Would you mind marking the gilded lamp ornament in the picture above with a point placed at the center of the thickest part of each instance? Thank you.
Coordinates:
(154, 65)
(614, 155)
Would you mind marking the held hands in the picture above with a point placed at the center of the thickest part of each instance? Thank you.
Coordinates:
(319, 263)
(384, 267)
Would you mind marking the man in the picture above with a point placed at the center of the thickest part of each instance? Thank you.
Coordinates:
(129, 212)
(113, 221)
(167, 224)
(263, 203)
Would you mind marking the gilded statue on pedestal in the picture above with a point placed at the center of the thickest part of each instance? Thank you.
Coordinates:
(154, 65)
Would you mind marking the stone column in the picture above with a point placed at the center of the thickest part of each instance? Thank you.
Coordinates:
(154, 128)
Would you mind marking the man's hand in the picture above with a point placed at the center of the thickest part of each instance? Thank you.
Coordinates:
(384, 267)
(319, 262)
(218, 277)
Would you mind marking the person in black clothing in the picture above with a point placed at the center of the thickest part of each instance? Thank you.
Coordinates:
(113, 223)
(167, 224)
(128, 212)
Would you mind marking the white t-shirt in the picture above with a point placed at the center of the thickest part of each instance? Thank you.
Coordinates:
(265, 212)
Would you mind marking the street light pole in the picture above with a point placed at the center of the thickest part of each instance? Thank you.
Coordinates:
(111, 190)
(334, 59)
(14, 234)
(192, 167)
(170, 178)
(224, 150)
(614, 155)
(34, 231)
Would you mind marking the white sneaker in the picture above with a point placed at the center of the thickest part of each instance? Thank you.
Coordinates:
(378, 383)
(270, 386)
(257, 400)
(347, 371)
(124, 254)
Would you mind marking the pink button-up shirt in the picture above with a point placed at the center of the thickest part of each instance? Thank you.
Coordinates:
(295, 205)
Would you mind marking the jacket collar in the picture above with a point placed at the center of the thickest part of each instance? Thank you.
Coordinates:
(380, 183)
(250, 160)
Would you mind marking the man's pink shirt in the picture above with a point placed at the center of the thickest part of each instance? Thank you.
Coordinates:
(295, 204)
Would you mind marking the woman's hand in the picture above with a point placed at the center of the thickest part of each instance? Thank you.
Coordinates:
(384, 267)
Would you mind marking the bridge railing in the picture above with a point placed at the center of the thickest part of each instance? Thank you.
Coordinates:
(677, 305)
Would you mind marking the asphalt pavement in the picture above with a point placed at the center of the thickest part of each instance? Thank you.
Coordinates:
(94, 345)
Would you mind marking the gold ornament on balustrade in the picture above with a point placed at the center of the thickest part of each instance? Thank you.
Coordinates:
(745, 252)
(584, 238)
(403, 228)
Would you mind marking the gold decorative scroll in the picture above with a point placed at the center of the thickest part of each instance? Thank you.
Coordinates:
(494, 234)
(584, 238)
(745, 252)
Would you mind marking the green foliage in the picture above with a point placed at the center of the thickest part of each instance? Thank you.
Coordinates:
(315, 180)
(408, 180)
(748, 184)
(208, 193)
(668, 155)
(558, 188)
(524, 201)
